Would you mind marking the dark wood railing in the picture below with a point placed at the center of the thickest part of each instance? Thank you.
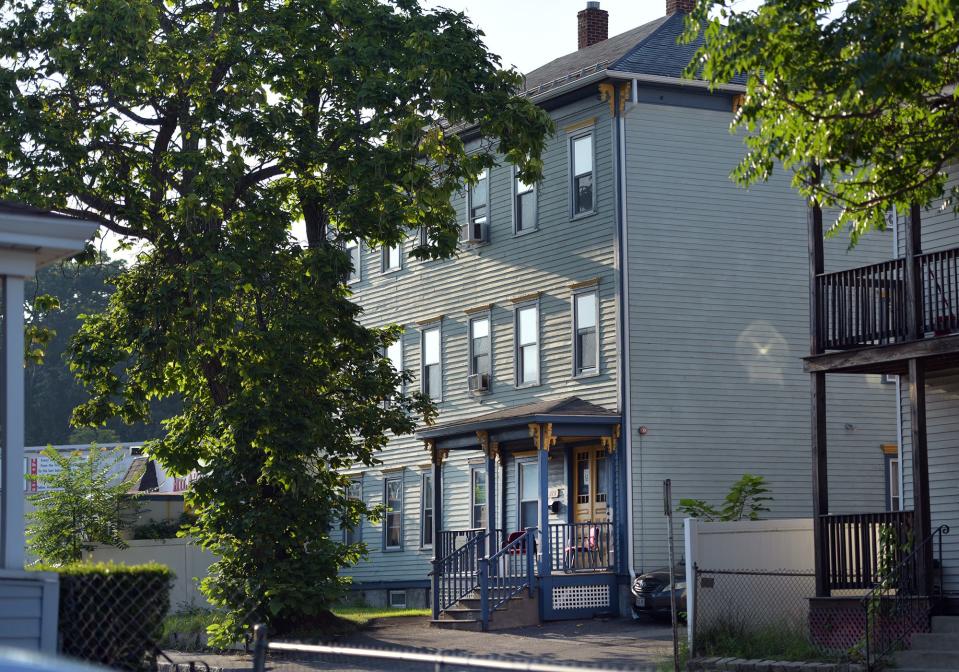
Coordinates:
(868, 306)
(862, 306)
(940, 291)
(855, 551)
(581, 547)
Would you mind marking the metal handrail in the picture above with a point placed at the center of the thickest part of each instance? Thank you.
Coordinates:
(897, 605)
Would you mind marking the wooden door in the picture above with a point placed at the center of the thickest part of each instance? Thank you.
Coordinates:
(590, 485)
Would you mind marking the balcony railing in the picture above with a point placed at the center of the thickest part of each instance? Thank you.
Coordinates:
(868, 305)
(581, 547)
(861, 546)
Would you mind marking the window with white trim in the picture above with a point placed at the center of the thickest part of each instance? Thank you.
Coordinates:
(394, 352)
(524, 205)
(393, 258)
(477, 209)
(527, 345)
(353, 536)
(581, 174)
(478, 498)
(426, 511)
(393, 498)
(480, 343)
(528, 494)
(585, 333)
(892, 482)
(352, 248)
(432, 355)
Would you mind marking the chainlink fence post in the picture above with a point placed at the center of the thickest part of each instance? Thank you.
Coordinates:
(259, 648)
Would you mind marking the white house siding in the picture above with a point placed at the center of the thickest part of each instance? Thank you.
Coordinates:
(560, 252)
(718, 322)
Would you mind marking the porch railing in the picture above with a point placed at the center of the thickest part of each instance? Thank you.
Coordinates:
(581, 547)
(869, 305)
(859, 544)
(901, 605)
(506, 573)
(458, 571)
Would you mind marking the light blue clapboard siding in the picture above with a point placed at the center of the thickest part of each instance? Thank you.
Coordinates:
(28, 610)
(548, 260)
(718, 322)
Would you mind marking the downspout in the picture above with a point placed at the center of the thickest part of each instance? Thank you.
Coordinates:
(902, 479)
(622, 315)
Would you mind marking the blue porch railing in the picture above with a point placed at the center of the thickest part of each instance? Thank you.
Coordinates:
(581, 547)
(457, 574)
(506, 573)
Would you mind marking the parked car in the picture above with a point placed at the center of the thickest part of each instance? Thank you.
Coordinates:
(651, 592)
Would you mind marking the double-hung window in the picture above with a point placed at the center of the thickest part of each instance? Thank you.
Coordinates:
(393, 498)
(426, 512)
(393, 258)
(353, 535)
(528, 494)
(892, 487)
(524, 205)
(581, 174)
(480, 360)
(585, 338)
(478, 497)
(477, 209)
(432, 374)
(394, 352)
(527, 345)
(353, 249)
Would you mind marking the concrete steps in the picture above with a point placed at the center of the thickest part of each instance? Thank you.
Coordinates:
(932, 651)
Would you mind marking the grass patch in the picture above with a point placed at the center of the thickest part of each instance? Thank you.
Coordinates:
(364, 615)
(787, 642)
(186, 630)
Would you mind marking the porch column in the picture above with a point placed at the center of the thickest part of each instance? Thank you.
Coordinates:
(817, 392)
(11, 417)
(436, 457)
(920, 470)
(490, 450)
(542, 438)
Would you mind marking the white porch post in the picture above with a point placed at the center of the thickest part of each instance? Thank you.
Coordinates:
(11, 417)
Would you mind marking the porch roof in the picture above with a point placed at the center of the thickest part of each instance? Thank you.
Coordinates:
(571, 414)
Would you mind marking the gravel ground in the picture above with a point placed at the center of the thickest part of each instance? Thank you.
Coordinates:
(610, 643)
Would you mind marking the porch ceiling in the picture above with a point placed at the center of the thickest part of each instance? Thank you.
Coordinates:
(569, 417)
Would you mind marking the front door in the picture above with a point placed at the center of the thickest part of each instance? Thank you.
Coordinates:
(591, 485)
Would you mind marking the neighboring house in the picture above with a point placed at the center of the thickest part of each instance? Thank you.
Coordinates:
(29, 239)
(634, 316)
(899, 319)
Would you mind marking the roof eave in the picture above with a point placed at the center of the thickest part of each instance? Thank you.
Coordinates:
(674, 81)
(502, 423)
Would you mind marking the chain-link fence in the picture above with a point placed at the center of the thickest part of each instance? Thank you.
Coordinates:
(756, 614)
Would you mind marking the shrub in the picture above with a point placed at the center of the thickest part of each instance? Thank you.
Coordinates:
(113, 614)
(163, 529)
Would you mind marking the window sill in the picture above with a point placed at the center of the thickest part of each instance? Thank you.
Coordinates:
(392, 271)
(524, 232)
(523, 386)
(394, 549)
(586, 374)
(582, 215)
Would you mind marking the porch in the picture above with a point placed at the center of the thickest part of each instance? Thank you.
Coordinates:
(544, 537)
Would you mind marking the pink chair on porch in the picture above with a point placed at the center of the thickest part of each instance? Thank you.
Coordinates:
(587, 546)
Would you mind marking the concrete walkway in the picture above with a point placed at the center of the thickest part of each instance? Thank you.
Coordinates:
(610, 643)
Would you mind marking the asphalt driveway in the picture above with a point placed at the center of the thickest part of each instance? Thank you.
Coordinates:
(606, 643)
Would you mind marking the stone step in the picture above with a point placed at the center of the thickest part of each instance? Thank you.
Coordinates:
(935, 641)
(470, 624)
(935, 660)
(941, 624)
(460, 614)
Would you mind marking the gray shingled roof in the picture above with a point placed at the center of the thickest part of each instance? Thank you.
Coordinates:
(650, 49)
(15, 208)
(606, 52)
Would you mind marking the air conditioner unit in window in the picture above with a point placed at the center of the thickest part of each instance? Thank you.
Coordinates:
(478, 382)
(474, 232)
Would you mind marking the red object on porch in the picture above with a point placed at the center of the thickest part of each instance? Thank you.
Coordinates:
(590, 545)
(521, 548)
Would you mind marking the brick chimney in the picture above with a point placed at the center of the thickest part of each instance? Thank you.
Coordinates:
(593, 24)
(684, 6)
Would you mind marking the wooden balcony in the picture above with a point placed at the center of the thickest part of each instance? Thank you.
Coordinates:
(877, 319)
(859, 545)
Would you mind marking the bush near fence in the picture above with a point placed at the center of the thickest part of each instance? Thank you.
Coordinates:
(113, 614)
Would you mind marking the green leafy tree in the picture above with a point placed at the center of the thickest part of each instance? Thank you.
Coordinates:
(866, 90)
(205, 130)
(68, 291)
(746, 501)
(81, 504)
